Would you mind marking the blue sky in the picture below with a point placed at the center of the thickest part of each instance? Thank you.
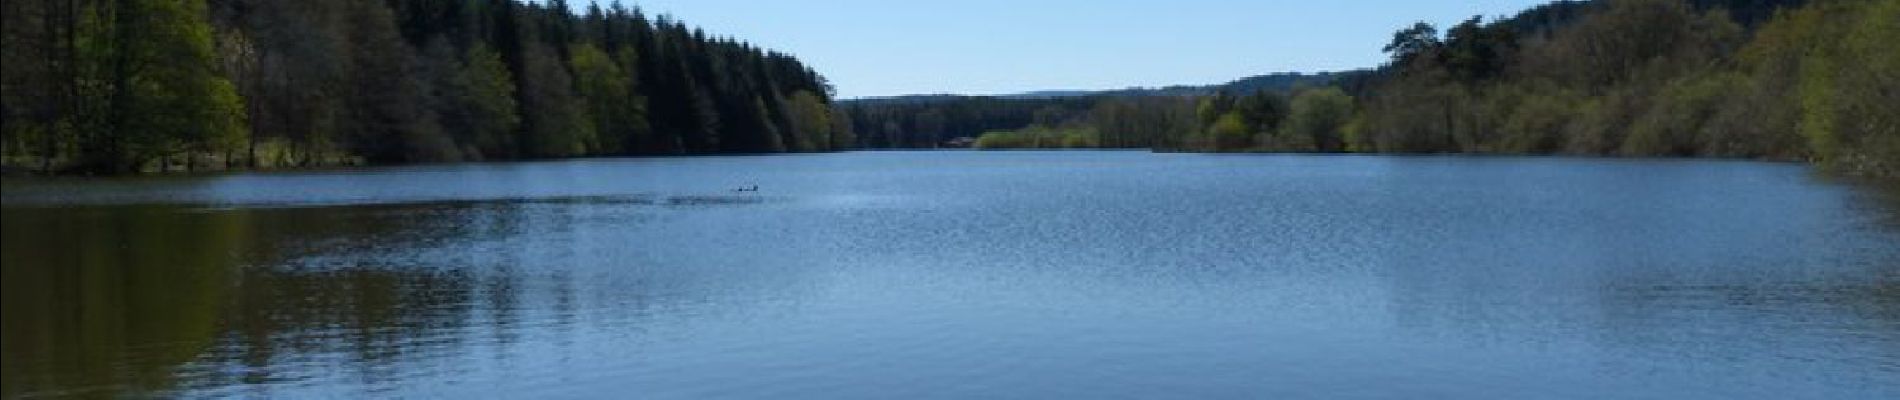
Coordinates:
(893, 47)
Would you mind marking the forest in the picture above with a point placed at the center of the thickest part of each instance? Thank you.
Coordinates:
(1786, 80)
(117, 86)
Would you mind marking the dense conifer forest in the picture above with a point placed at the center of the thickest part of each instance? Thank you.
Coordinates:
(110, 86)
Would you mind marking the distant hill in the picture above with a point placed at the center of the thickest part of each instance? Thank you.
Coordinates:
(1279, 82)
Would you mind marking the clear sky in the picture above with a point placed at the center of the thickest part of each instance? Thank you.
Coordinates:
(895, 47)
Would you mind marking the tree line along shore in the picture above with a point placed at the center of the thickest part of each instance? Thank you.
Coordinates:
(1760, 79)
(120, 86)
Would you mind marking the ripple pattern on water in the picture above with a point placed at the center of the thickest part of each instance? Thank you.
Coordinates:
(960, 275)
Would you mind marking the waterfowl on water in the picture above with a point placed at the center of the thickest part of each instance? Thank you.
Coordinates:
(754, 188)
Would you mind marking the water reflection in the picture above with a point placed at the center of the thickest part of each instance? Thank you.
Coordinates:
(105, 302)
(127, 300)
(1148, 276)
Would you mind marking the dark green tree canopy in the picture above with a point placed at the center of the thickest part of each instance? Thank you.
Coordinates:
(268, 83)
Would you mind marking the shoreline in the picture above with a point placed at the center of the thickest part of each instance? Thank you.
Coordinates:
(14, 171)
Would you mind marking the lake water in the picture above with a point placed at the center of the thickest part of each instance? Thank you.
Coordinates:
(902, 275)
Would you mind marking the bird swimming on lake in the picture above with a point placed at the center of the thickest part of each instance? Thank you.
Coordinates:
(754, 188)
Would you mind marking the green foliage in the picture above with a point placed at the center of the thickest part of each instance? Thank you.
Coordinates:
(1152, 122)
(1354, 134)
(152, 68)
(1414, 115)
(1537, 122)
(1849, 85)
(481, 106)
(1647, 78)
(811, 123)
(1413, 43)
(117, 86)
(925, 122)
(556, 121)
(1318, 117)
(617, 113)
(757, 116)
(1039, 137)
(1230, 132)
(385, 117)
(124, 85)
(844, 131)
(1241, 123)
(1870, 89)
(1676, 115)
(1262, 111)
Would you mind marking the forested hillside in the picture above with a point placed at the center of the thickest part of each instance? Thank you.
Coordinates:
(1814, 80)
(928, 121)
(124, 85)
(931, 120)
(1771, 79)
(127, 85)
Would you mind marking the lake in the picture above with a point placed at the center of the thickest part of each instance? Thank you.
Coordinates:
(900, 275)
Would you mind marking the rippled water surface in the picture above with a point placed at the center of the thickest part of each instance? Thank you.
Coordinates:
(960, 275)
